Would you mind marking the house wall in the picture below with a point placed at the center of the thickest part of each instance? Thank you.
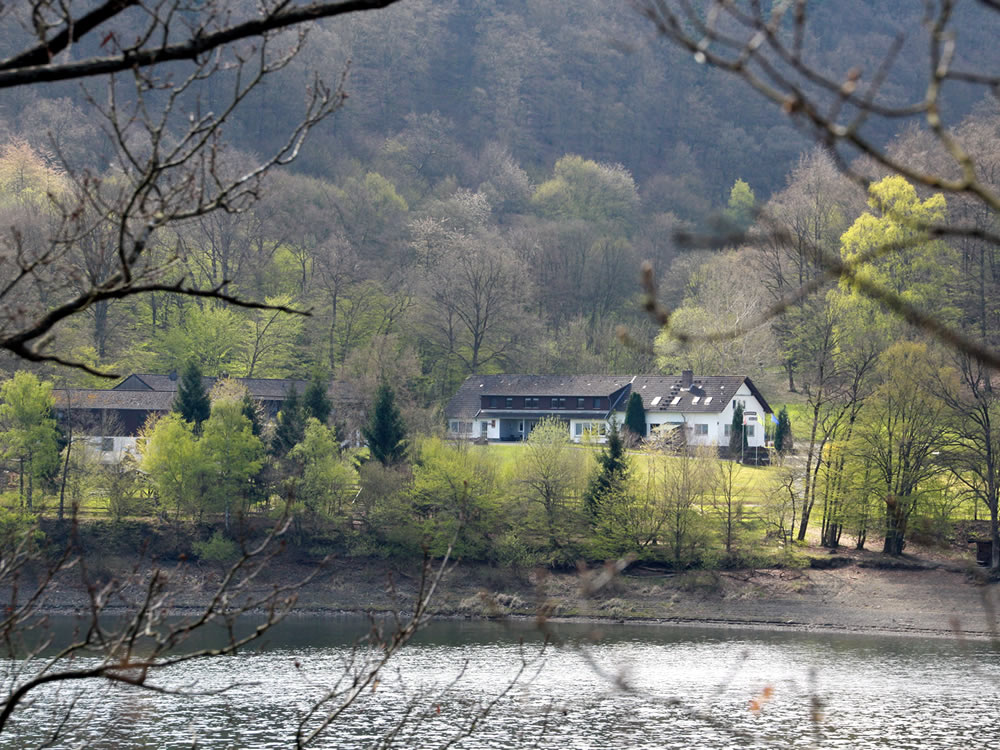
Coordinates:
(703, 428)
(111, 450)
(712, 430)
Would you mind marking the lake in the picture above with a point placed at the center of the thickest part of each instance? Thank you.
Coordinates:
(608, 686)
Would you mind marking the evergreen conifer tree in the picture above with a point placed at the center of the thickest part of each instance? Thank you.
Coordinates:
(291, 424)
(610, 474)
(315, 400)
(192, 401)
(385, 431)
(737, 433)
(635, 415)
(251, 412)
(783, 432)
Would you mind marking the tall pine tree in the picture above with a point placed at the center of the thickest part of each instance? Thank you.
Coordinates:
(783, 432)
(385, 431)
(315, 400)
(737, 433)
(610, 474)
(251, 410)
(291, 424)
(192, 401)
(635, 415)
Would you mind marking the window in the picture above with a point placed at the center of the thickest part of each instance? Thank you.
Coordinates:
(581, 403)
(727, 429)
(597, 402)
(107, 444)
(701, 429)
(677, 400)
(531, 402)
(493, 402)
(590, 429)
(558, 402)
(696, 399)
(708, 400)
(508, 403)
(655, 401)
(750, 430)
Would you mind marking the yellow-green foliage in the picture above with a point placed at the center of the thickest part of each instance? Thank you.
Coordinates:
(456, 491)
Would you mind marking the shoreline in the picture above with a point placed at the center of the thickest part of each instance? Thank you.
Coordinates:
(771, 626)
(922, 598)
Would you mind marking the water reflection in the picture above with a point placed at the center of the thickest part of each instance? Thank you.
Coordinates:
(635, 686)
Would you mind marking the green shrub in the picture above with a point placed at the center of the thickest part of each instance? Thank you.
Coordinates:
(217, 549)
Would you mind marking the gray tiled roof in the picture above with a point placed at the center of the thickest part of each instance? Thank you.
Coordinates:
(87, 398)
(466, 402)
(260, 388)
(719, 388)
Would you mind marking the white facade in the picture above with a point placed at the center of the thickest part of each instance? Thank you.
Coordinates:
(505, 408)
(708, 428)
(111, 450)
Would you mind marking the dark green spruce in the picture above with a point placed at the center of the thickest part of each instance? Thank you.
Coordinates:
(609, 476)
(635, 415)
(192, 401)
(290, 425)
(385, 431)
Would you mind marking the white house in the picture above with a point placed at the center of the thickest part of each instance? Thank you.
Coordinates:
(507, 407)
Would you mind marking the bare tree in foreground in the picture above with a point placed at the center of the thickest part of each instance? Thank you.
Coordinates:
(766, 46)
(163, 114)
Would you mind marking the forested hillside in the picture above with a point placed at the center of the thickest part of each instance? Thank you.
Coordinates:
(482, 202)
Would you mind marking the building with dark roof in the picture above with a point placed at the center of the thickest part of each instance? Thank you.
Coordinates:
(114, 417)
(507, 407)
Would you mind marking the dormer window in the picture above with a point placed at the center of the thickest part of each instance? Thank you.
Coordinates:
(531, 402)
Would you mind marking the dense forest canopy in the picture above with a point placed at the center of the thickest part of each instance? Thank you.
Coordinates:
(483, 199)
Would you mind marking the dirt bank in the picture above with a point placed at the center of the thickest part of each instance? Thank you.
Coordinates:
(861, 592)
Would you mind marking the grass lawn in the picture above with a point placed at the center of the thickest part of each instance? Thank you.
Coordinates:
(755, 483)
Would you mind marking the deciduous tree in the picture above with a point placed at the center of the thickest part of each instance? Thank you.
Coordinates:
(232, 455)
(28, 431)
(899, 431)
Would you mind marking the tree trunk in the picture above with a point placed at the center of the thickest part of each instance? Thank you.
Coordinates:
(995, 536)
(895, 526)
(65, 473)
(809, 496)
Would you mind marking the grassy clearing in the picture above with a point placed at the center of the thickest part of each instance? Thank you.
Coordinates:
(756, 484)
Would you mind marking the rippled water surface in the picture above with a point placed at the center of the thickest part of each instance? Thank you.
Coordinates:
(640, 686)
